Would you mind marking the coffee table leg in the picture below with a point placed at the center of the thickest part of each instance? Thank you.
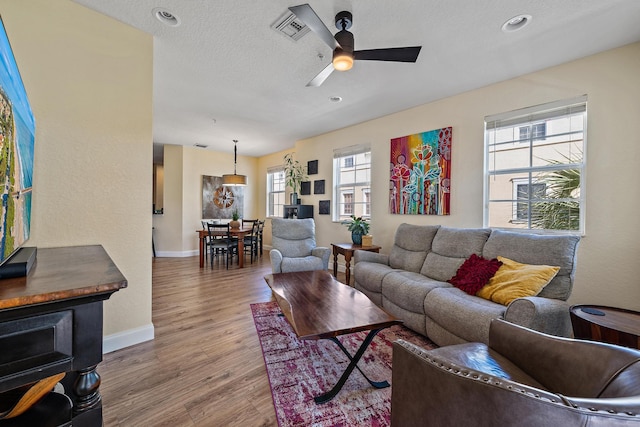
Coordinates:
(325, 397)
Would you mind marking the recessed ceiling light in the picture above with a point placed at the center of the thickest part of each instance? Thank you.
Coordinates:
(335, 98)
(516, 23)
(166, 17)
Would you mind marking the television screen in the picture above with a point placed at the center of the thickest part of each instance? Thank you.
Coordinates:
(17, 139)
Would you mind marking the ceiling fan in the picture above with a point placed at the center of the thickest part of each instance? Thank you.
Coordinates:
(342, 44)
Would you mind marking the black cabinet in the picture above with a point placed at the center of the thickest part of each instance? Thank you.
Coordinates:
(298, 211)
(51, 323)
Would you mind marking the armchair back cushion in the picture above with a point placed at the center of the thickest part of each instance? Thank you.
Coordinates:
(293, 237)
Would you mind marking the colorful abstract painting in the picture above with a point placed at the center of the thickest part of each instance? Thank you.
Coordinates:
(420, 181)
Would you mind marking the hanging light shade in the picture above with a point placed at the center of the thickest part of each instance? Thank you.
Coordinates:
(235, 179)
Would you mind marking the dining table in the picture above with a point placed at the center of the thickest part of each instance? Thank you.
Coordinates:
(240, 233)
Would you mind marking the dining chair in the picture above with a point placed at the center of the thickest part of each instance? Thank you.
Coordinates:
(222, 243)
(260, 234)
(207, 240)
(251, 240)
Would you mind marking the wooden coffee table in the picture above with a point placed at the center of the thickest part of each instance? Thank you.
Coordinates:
(319, 307)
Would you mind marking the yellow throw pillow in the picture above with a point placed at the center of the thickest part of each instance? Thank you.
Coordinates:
(515, 280)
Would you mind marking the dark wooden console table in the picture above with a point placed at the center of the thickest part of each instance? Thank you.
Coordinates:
(51, 323)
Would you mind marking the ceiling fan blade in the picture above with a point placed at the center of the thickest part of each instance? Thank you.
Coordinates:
(307, 15)
(322, 76)
(396, 54)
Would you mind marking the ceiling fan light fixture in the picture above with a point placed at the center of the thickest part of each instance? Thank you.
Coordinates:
(234, 180)
(342, 61)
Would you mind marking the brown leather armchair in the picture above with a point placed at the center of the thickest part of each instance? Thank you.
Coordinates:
(522, 378)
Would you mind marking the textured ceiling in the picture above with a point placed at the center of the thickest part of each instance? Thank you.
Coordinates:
(223, 73)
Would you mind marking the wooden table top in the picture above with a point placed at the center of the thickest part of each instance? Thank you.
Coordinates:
(619, 319)
(354, 247)
(318, 306)
(63, 273)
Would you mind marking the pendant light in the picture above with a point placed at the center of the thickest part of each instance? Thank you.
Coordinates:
(235, 179)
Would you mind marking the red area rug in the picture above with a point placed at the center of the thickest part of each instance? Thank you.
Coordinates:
(299, 370)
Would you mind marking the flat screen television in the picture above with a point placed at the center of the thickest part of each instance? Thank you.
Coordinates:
(17, 141)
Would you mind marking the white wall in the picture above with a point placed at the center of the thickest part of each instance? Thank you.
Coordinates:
(606, 271)
(89, 81)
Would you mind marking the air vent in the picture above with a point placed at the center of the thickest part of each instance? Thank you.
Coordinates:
(290, 26)
(200, 145)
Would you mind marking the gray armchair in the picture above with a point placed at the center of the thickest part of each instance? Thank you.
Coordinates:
(294, 246)
(522, 378)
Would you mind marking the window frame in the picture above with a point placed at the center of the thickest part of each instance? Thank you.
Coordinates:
(272, 207)
(532, 117)
(360, 165)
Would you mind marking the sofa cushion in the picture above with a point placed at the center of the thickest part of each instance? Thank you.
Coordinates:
(369, 275)
(558, 250)
(465, 316)
(474, 273)
(411, 245)
(516, 280)
(450, 248)
(408, 290)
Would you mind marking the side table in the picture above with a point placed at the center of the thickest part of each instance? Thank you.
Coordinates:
(347, 249)
(606, 324)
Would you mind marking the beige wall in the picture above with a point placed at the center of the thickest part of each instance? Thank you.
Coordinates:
(175, 231)
(606, 263)
(89, 81)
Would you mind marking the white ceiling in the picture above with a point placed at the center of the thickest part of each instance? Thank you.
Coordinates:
(224, 74)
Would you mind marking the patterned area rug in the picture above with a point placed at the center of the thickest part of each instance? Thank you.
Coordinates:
(299, 370)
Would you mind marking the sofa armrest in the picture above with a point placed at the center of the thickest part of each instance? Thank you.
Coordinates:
(366, 256)
(324, 254)
(276, 260)
(550, 316)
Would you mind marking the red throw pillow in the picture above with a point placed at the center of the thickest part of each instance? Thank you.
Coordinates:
(474, 273)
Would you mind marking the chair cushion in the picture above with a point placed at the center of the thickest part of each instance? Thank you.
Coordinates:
(307, 263)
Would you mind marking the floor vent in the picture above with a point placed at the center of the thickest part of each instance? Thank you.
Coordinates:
(290, 26)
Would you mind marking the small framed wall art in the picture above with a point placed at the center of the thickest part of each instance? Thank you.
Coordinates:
(312, 167)
(318, 186)
(305, 188)
(324, 207)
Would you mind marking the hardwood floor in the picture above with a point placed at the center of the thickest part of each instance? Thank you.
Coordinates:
(205, 366)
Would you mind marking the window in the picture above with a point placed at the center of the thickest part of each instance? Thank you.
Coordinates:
(347, 203)
(366, 195)
(275, 192)
(352, 174)
(521, 189)
(534, 162)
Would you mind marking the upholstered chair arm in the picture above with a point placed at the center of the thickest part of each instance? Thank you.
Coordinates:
(324, 254)
(567, 366)
(429, 389)
(546, 315)
(276, 260)
(366, 256)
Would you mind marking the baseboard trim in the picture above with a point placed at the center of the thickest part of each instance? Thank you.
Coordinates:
(177, 254)
(127, 338)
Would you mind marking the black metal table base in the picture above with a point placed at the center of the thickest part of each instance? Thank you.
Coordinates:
(325, 397)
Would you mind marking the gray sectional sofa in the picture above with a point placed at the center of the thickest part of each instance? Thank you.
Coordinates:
(411, 281)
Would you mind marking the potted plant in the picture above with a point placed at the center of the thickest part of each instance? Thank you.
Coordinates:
(234, 223)
(294, 174)
(358, 226)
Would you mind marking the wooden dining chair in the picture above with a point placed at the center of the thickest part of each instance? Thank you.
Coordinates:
(222, 243)
(251, 240)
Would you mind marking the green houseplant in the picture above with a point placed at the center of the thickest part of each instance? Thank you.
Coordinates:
(358, 226)
(234, 223)
(294, 174)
